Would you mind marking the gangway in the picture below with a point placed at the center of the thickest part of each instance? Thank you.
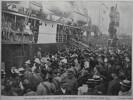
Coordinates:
(78, 44)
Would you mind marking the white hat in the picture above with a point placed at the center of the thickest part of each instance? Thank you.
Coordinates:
(127, 59)
(16, 71)
(96, 76)
(126, 83)
(62, 57)
(44, 60)
(64, 60)
(105, 60)
(37, 60)
(53, 57)
(28, 62)
(100, 48)
(33, 68)
(21, 69)
(2, 70)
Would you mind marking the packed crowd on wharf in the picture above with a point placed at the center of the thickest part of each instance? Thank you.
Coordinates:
(71, 71)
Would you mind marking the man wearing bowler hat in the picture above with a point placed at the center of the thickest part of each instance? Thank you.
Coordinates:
(125, 88)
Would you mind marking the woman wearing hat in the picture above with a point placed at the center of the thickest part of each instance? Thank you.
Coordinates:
(125, 88)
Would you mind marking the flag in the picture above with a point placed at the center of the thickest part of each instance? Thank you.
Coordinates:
(28, 13)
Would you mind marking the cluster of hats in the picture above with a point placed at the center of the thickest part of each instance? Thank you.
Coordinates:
(36, 61)
(17, 71)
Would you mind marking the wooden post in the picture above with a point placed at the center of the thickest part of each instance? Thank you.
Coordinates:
(15, 19)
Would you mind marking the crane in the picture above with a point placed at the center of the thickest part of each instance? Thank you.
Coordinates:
(113, 25)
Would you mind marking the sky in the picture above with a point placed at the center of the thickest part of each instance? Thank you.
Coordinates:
(93, 8)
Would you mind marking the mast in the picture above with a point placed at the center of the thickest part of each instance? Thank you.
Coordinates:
(114, 24)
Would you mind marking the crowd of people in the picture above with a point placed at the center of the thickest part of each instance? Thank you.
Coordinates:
(71, 71)
(64, 33)
(12, 28)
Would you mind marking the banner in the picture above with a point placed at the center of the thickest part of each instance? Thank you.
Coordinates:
(47, 32)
